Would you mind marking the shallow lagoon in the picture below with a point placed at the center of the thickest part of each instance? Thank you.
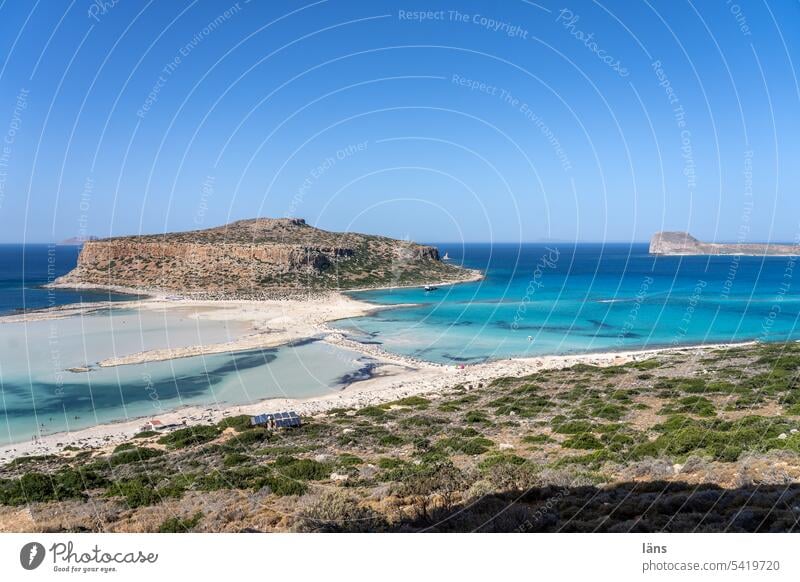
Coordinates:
(40, 397)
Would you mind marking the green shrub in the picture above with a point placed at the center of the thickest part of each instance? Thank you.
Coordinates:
(234, 459)
(523, 406)
(302, 469)
(29, 459)
(395, 469)
(608, 411)
(468, 446)
(500, 459)
(650, 364)
(794, 410)
(136, 492)
(617, 441)
(583, 441)
(180, 525)
(390, 440)
(277, 451)
(674, 386)
(142, 491)
(537, 439)
(572, 426)
(390, 463)
(30, 487)
(372, 412)
(421, 420)
(240, 423)
(348, 460)
(282, 486)
(216, 481)
(722, 440)
(249, 437)
(477, 416)
(698, 405)
(411, 401)
(134, 455)
(193, 435)
(39, 487)
(240, 477)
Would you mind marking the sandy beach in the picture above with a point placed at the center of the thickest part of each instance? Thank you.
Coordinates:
(269, 323)
(278, 322)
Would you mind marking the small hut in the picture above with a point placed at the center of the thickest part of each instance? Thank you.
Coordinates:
(153, 425)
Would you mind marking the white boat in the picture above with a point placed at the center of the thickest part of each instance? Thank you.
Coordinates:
(446, 257)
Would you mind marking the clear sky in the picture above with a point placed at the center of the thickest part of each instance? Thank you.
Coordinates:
(476, 121)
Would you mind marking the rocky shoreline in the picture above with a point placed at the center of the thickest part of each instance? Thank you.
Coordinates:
(257, 259)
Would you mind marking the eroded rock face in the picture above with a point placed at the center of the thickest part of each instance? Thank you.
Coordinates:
(682, 243)
(246, 258)
(664, 243)
(101, 254)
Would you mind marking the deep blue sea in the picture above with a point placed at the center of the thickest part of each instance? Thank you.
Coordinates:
(535, 299)
(566, 298)
(25, 268)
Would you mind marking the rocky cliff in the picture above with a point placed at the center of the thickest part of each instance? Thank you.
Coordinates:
(682, 243)
(257, 258)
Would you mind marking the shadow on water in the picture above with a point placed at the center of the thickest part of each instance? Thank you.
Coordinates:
(82, 398)
(363, 373)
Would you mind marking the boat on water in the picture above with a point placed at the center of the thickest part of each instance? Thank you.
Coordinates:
(446, 257)
(429, 288)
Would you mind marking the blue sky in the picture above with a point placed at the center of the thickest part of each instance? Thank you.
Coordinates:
(475, 121)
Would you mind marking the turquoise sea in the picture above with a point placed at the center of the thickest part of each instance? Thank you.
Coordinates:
(566, 298)
(535, 299)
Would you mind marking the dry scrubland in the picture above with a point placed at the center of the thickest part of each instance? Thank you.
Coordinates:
(679, 442)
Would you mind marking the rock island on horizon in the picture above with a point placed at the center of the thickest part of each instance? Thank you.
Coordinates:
(682, 243)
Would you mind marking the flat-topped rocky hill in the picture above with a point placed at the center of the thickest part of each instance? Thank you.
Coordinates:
(682, 243)
(262, 257)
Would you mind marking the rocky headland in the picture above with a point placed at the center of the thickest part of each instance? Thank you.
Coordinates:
(682, 243)
(256, 259)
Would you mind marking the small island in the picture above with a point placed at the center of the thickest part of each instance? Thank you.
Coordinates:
(682, 243)
(260, 258)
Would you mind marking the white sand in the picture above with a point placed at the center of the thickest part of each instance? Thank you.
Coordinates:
(279, 322)
(272, 323)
